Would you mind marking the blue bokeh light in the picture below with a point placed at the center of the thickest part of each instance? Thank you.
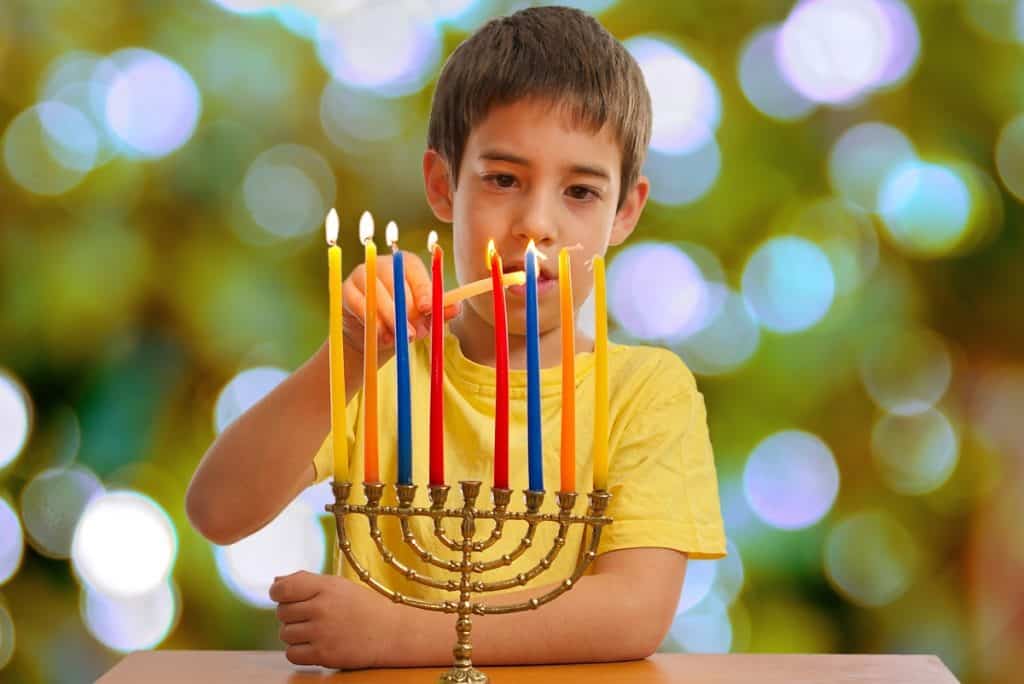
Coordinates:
(656, 291)
(152, 104)
(684, 99)
(789, 284)
(380, 47)
(862, 157)
(679, 179)
(791, 480)
(925, 208)
(12, 541)
(762, 81)
(243, 391)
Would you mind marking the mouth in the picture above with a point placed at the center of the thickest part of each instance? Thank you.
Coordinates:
(547, 281)
(543, 272)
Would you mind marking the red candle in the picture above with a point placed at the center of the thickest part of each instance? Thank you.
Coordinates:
(501, 370)
(436, 363)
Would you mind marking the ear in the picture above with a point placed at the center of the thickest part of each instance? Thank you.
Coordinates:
(437, 180)
(627, 216)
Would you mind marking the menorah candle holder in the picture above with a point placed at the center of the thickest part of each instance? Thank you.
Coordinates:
(465, 572)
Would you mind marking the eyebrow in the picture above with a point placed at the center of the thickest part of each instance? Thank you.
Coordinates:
(583, 169)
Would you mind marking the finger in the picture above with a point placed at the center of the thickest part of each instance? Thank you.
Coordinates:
(301, 654)
(452, 310)
(418, 279)
(354, 296)
(300, 586)
(385, 314)
(412, 314)
(299, 611)
(296, 633)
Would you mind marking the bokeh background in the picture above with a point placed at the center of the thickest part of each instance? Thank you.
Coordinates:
(834, 246)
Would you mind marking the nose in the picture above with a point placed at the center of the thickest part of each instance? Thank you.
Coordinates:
(536, 221)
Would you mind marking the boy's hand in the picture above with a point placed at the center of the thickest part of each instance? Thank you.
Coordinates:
(331, 621)
(417, 300)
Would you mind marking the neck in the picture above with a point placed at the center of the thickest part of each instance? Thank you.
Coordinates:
(476, 339)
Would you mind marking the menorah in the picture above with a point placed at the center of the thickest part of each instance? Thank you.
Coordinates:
(467, 569)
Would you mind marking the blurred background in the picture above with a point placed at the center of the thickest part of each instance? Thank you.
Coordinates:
(834, 246)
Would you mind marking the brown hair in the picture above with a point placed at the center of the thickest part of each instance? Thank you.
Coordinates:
(557, 54)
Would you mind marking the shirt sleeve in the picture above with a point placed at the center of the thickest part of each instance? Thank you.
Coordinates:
(662, 471)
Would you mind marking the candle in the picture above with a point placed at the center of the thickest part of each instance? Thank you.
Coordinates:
(436, 361)
(600, 378)
(478, 287)
(336, 352)
(500, 369)
(370, 352)
(535, 448)
(401, 358)
(568, 453)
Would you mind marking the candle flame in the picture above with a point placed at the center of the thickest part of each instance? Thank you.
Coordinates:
(365, 227)
(331, 227)
(391, 233)
(533, 248)
(432, 241)
(491, 251)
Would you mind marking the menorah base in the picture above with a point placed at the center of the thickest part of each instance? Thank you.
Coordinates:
(463, 675)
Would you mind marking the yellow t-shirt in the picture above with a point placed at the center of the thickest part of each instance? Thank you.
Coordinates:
(661, 468)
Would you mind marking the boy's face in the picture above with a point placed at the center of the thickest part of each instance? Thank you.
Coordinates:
(529, 173)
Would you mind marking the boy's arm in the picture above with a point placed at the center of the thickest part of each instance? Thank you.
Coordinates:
(260, 462)
(621, 612)
(265, 457)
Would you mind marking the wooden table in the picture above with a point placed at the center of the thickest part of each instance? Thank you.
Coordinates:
(271, 667)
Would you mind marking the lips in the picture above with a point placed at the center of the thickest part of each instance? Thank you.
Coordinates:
(543, 272)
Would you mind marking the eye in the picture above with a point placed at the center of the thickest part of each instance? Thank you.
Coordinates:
(582, 192)
(501, 180)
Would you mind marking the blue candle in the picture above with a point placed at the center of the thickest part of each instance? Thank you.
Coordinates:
(534, 444)
(401, 361)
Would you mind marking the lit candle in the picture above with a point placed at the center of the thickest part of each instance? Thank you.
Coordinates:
(600, 378)
(370, 352)
(478, 287)
(436, 361)
(336, 352)
(500, 369)
(535, 448)
(401, 358)
(568, 453)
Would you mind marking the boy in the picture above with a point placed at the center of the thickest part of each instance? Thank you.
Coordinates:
(539, 127)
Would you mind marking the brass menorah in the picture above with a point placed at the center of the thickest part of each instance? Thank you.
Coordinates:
(467, 568)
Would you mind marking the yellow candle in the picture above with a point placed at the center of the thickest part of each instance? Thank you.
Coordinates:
(370, 352)
(600, 378)
(339, 443)
(568, 454)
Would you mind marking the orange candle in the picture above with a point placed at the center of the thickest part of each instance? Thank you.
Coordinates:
(370, 473)
(568, 454)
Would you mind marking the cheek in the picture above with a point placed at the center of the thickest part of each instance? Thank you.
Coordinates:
(582, 283)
